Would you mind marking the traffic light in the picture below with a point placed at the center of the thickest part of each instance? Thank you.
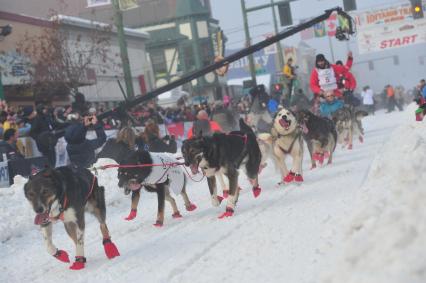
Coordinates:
(349, 5)
(417, 8)
(284, 12)
(277, 89)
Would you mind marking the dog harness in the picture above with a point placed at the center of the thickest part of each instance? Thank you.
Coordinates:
(160, 174)
(290, 148)
(63, 202)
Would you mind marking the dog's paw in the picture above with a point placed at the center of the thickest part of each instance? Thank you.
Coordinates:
(78, 263)
(289, 178)
(228, 213)
(216, 200)
(132, 215)
(256, 191)
(158, 223)
(191, 207)
(110, 248)
(62, 256)
(298, 178)
(225, 193)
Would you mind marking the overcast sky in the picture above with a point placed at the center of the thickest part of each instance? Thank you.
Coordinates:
(228, 12)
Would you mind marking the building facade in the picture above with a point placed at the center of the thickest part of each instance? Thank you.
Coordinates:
(98, 84)
(181, 31)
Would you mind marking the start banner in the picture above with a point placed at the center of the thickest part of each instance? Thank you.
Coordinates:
(388, 36)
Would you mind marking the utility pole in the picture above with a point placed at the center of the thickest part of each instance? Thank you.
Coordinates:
(123, 49)
(279, 48)
(248, 43)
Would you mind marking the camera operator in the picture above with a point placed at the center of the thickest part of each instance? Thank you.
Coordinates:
(81, 151)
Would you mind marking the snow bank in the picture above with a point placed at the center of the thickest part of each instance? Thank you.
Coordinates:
(15, 210)
(385, 240)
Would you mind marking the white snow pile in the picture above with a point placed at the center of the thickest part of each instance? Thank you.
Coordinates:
(16, 213)
(385, 240)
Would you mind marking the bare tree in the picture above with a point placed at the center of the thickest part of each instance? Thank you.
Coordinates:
(63, 58)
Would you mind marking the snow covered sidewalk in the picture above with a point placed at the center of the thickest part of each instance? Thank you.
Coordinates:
(358, 220)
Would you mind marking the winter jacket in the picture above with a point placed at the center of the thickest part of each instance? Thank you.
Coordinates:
(41, 123)
(424, 92)
(10, 150)
(367, 97)
(81, 151)
(327, 109)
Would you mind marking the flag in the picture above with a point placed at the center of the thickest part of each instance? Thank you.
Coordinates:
(127, 4)
(319, 29)
(343, 23)
(307, 34)
(331, 25)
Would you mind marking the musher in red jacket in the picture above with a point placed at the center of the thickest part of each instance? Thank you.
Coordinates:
(325, 77)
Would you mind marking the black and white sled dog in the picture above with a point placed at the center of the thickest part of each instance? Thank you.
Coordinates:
(348, 124)
(285, 139)
(64, 193)
(225, 153)
(116, 153)
(320, 136)
(156, 172)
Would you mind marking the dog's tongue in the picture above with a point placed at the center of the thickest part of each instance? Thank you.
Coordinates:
(194, 169)
(41, 218)
(304, 129)
(284, 123)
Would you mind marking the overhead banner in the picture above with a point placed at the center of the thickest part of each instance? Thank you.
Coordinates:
(390, 15)
(389, 36)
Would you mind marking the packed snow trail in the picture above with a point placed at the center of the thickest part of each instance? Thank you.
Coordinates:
(287, 234)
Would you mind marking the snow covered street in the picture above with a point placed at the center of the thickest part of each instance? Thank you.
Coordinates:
(361, 219)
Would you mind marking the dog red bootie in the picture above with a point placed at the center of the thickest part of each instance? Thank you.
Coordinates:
(350, 147)
(220, 199)
(78, 263)
(111, 250)
(191, 207)
(132, 215)
(361, 139)
(256, 191)
(177, 215)
(289, 178)
(62, 256)
(298, 178)
(158, 223)
(228, 213)
(225, 193)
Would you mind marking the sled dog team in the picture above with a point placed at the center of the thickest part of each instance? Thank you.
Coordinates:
(65, 193)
